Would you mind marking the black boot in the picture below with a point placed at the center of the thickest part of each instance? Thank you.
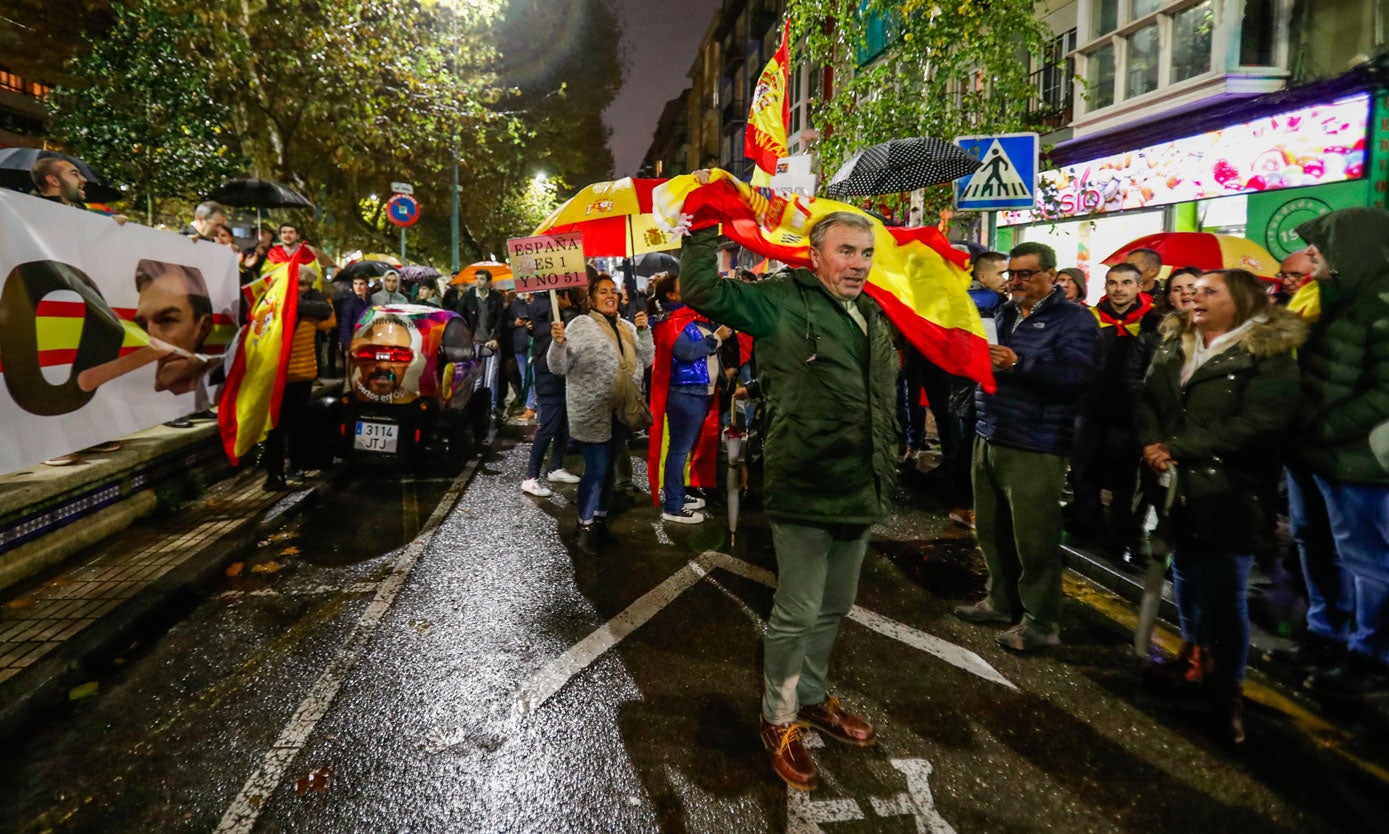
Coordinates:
(588, 539)
(1227, 702)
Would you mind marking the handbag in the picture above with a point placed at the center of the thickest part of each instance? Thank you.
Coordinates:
(629, 406)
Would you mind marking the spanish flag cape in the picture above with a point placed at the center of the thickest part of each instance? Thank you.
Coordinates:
(917, 278)
(274, 259)
(250, 403)
(701, 467)
(769, 112)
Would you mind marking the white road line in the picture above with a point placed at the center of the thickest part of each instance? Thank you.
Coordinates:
(241, 815)
(661, 536)
(539, 687)
(306, 590)
(804, 815)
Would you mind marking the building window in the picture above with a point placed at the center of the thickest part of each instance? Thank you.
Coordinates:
(1191, 41)
(1257, 33)
(1053, 81)
(1099, 80)
(1142, 63)
(1152, 44)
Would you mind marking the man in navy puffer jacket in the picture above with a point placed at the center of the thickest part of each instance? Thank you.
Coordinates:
(1043, 363)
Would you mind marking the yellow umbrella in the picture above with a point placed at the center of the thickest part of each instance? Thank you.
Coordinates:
(614, 218)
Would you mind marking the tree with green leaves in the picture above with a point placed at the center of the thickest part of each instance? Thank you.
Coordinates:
(160, 131)
(918, 67)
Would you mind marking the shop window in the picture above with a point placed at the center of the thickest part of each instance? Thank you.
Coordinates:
(1142, 62)
(1104, 17)
(1256, 34)
(1099, 79)
(1191, 37)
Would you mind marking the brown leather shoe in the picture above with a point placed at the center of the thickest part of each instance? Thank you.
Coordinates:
(790, 759)
(832, 719)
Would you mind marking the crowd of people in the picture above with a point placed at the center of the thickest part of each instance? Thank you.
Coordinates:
(1180, 415)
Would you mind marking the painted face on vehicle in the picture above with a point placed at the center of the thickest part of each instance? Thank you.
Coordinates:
(382, 356)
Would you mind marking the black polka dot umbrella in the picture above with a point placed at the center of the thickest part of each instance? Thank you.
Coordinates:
(900, 165)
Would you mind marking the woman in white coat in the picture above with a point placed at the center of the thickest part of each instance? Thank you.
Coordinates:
(592, 352)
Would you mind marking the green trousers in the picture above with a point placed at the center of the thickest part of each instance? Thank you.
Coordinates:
(1017, 516)
(817, 581)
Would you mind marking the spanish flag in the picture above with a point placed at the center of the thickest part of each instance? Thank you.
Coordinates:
(917, 278)
(769, 113)
(701, 467)
(250, 404)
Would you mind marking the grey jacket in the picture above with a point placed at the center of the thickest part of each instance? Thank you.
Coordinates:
(589, 361)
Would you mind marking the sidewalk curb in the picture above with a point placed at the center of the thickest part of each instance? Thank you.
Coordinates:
(43, 687)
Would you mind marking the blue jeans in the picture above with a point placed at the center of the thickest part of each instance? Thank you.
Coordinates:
(596, 484)
(523, 369)
(1330, 587)
(817, 581)
(553, 432)
(1359, 517)
(685, 412)
(1211, 588)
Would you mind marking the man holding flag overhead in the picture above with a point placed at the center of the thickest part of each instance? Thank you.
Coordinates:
(829, 369)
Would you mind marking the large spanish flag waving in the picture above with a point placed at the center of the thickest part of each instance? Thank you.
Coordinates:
(250, 404)
(769, 113)
(701, 467)
(917, 278)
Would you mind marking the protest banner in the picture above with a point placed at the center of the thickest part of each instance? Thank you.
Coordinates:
(104, 329)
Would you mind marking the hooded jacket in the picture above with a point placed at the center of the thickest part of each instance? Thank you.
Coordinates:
(1224, 427)
(829, 388)
(1343, 420)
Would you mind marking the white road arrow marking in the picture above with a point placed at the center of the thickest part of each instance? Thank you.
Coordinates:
(917, 801)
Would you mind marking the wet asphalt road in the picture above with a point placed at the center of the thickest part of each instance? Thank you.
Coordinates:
(494, 679)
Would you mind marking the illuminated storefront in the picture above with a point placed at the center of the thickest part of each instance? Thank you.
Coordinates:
(1258, 177)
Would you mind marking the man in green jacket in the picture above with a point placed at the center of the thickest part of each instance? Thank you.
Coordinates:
(828, 372)
(1341, 444)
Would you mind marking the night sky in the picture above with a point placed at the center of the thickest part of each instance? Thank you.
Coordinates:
(659, 41)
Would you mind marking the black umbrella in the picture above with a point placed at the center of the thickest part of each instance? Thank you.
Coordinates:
(258, 193)
(654, 262)
(364, 269)
(16, 162)
(901, 165)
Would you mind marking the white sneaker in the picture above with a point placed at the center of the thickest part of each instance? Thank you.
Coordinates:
(685, 516)
(532, 486)
(694, 502)
(562, 476)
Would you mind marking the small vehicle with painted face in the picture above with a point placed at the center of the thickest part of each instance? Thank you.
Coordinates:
(408, 398)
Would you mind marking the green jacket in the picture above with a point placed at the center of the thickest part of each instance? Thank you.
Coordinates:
(1224, 427)
(832, 434)
(1341, 430)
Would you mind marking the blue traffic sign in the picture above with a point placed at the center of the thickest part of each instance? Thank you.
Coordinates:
(403, 210)
(1007, 175)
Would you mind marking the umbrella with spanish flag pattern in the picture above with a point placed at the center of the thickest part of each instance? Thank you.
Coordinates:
(1205, 250)
(614, 219)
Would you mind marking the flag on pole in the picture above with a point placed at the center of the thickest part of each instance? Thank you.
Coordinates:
(917, 278)
(769, 114)
(250, 402)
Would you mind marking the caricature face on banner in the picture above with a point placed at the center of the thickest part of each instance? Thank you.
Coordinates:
(387, 357)
(104, 329)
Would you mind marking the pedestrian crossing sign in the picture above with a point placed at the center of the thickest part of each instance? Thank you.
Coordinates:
(1007, 175)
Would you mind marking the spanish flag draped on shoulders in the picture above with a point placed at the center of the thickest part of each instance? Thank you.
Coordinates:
(919, 281)
(1128, 323)
(250, 402)
(701, 467)
(278, 256)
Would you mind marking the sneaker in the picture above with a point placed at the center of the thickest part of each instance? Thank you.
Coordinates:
(694, 502)
(834, 721)
(532, 486)
(685, 516)
(790, 760)
(180, 423)
(562, 476)
(983, 613)
(1026, 639)
(962, 517)
(64, 460)
(108, 446)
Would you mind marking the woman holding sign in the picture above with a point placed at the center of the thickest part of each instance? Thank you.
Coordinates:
(602, 357)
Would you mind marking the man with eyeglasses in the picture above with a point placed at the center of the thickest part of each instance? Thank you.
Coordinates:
(1043, 363)
(1295, 271)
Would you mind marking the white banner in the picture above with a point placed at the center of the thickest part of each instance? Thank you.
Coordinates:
(104, 329)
